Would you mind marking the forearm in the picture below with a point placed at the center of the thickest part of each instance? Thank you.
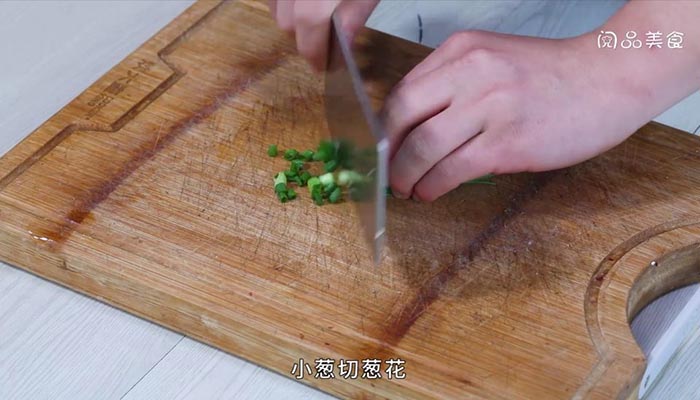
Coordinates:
(656, 78)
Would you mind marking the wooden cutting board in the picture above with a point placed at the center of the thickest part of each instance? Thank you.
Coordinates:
(152, 192)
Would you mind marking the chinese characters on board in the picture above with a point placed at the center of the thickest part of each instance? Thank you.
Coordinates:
(370, 368)
(651, 39)
(102, 99)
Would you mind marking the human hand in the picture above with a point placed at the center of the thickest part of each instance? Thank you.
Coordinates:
(492, 103)
(310, 23)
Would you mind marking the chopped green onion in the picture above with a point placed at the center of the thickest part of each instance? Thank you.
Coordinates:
(272, 150)
(335, 195)
(347, 177)
(305, 176)
(482, 180)
(321, 156)
(344, 153)
(313, 183)
(330, 166)
(307, 155)
(327, 146)
(280, 183)
(280, 178)
(325, 152)
(327, 179)
(328, 189)
(334, 155)
(290, 154)
(280, 187)
(316, 195)
(296, 166)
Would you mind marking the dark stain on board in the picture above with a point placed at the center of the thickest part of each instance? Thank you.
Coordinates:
(250, 72)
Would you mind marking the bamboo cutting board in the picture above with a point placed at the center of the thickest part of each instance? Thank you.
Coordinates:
(152, 191)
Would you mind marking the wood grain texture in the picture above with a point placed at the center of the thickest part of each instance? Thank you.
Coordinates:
(158, 201)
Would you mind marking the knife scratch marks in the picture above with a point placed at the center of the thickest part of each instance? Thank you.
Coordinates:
(399, 325)
(160, 130)
(315, 244)
(265, 65)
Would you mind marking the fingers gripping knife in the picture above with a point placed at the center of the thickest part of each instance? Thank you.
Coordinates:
(351, 120)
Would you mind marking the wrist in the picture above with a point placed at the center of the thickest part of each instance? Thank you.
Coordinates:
(649, 72)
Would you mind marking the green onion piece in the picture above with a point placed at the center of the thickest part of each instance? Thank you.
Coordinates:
(313, 183)
(305, 176)
(296, 166)
(290, 154)
(307, 155)
(282, 196)
(327, 146)
(347, 177)
(325, 152)
(389, 193)
(297, 179)
(280, 187)
(291, 194)
(272, 150)
(330, 166)
(280, 178)
(321, 155)
(328, 189)
(290, 174)
(344, 177)
(316, 195)
(482, 180)
(327, 179)
(345, 153)
(335, 195)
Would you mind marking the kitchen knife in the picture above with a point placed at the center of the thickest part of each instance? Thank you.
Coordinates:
(353, 123)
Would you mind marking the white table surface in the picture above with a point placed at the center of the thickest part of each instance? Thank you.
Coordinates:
(56, 344)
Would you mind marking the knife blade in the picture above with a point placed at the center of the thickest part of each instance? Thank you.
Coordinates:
(352, 121)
